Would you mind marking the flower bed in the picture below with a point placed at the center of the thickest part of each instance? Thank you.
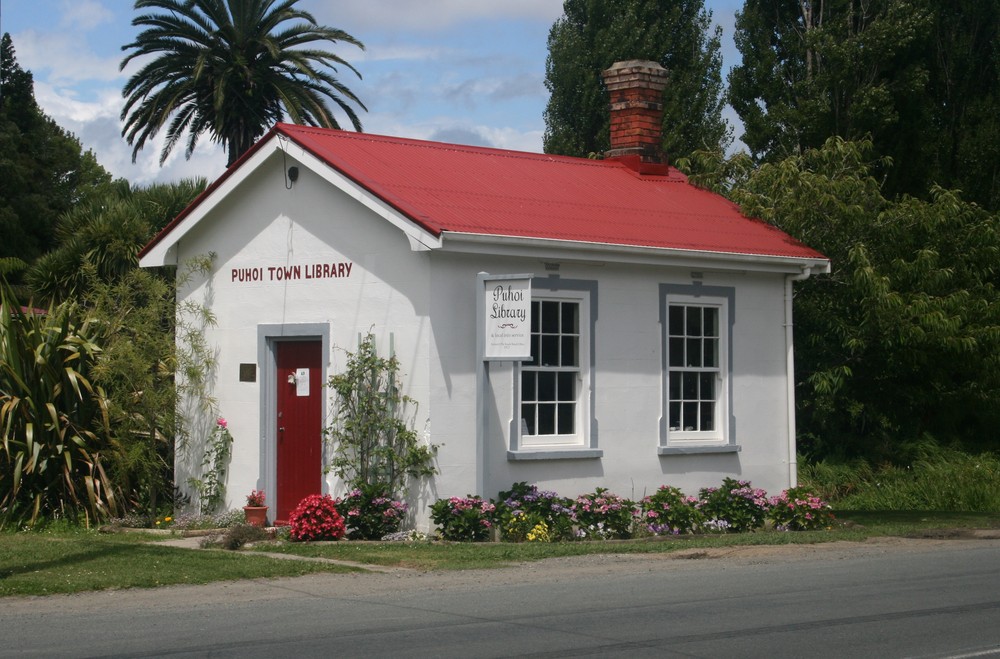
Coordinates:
(526, 514)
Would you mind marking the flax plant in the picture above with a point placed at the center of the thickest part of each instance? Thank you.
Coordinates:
(54, 421)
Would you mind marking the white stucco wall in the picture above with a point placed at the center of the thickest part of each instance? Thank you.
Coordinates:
(426, 301)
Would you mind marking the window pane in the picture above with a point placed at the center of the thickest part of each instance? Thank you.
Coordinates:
(675, 386)
(690, 412)
(693, 321)
(711, 321)
(693, 352)
(535, 343)
(711, 349)
(528, 417)
(707, 416)
(707, 390)
(675, 416)
(535, 316)
(677, 352)
(567, 385)
(546, 419)
(567, 418)
(550, 350)
(570, 353)
(675, 322)
(550, 317)
(528, 388)
(546, 385)
(570, 318)
(690, 386)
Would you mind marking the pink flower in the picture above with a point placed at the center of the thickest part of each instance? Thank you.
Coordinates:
(222, 423)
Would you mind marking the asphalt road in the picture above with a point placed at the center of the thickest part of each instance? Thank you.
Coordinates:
(886, 598)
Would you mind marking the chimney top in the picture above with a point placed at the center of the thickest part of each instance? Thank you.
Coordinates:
(636, 91)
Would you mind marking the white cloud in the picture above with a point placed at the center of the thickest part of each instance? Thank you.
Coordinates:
(63, 58)
(429, 15)
(84, 14)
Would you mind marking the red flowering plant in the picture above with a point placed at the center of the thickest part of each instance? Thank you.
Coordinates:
(668, 512)
(465, 519)
(371, 513)
(256, 499)
(316, 518)
(797, 509)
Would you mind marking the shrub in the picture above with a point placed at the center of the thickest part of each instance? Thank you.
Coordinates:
(603, 514)
(669, 512)
(796, 509)
(370, 513)
(545, 506)
(463, 519)
(735, 507)
(316, 518)
(239, 535)
(521, 526)
(374, 443)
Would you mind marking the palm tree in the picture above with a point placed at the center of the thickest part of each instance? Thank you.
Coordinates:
(231, 68)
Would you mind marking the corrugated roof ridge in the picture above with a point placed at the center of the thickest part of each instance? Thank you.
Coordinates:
(482, 150)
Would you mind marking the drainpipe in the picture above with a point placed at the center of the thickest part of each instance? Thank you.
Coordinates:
(793, 465)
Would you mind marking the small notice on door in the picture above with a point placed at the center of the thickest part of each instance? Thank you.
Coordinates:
(302, 382)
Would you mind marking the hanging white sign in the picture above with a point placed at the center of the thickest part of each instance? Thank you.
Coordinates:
(507, 316)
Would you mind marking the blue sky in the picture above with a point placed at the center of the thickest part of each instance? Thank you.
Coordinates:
(465, 71)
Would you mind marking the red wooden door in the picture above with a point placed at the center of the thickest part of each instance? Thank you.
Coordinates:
(300, 409)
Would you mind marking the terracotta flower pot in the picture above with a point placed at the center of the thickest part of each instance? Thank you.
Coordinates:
(256, 515)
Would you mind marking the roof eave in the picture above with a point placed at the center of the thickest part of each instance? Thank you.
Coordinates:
(567, 250)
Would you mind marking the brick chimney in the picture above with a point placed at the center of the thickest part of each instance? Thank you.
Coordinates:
(636, 88)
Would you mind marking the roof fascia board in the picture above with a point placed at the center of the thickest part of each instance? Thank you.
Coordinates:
(165, 251)
(420, 239)
(547, 249)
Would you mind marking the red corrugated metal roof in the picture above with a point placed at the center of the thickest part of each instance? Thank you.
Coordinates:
(467, 189)
(477, 190)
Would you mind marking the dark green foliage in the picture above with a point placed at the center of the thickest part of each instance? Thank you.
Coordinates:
(54, 422)
(594, 34)
(920, 78)
(43, 170)
(374, 445)
(98, 240)
(902, 341)
(231, 69)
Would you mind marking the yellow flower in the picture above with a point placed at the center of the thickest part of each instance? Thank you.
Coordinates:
(168, 519)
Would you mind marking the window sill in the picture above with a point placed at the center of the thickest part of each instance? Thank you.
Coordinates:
(555, 454)
(693, 450)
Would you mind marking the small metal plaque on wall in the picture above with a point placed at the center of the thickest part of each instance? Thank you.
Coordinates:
(248, 372)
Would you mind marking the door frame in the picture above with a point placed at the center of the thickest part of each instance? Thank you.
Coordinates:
(267, 337)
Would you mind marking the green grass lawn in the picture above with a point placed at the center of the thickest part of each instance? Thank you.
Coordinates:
(45, 563)
(67, 561)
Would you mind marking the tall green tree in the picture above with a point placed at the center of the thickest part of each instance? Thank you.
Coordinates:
(594, 34)
(919, 77)
(43, 170)
(231, 68)
(901, 343)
